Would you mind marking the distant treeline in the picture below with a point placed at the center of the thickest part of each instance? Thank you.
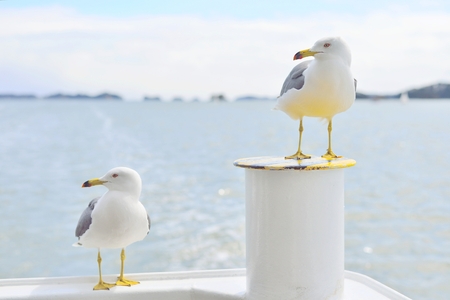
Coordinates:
(436, 91)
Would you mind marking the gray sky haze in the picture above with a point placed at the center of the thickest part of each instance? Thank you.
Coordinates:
(197, 48)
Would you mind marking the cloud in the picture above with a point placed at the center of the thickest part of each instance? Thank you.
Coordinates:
(58, 49)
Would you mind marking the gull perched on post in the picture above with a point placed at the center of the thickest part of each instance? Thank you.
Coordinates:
(114, 220)
(322, 87)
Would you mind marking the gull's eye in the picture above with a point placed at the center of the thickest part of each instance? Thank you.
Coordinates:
(326, 45)
(114, 175)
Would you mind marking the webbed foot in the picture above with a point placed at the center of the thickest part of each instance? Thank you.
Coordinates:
(103, 286)
(298, 156)
(330, 155)
(125, 282)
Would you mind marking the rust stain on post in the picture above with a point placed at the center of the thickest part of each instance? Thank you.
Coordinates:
(280, 163)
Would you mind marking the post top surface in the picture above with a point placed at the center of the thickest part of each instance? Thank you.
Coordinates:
(281, 163)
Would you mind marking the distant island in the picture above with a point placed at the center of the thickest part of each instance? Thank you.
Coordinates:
(104, 96)
(152, 98)
(252, 98)
(435, 91)
(18, 96)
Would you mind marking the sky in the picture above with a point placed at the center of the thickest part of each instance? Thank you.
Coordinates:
(197, 48)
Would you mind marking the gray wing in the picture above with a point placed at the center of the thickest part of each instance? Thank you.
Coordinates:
(356, 83)
(149, 223)
(295, 79)
(85, 220)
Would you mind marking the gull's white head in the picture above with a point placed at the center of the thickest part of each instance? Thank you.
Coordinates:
(119, 179)
(330, 47)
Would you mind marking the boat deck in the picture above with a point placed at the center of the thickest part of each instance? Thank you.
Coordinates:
(196, 285)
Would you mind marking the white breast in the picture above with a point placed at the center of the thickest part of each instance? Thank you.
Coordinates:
(328, 90)
(116, 223)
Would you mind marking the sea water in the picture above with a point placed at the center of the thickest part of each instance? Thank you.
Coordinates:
(397, 196)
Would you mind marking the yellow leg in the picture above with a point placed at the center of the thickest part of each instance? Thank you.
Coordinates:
(122, 280)
(299, 154)
(330, 154)
(101, 285)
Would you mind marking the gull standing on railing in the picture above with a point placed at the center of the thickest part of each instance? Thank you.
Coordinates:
(114, 220)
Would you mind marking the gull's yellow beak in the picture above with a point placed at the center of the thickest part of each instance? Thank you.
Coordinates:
(91, 182)
(304, 53)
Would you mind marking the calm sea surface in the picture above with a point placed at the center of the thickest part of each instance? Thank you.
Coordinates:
(397, 196)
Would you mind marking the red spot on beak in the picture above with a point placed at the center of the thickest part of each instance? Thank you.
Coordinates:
(298, 55)
(86, 184)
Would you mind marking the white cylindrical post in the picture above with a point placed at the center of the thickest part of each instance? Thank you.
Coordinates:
(295, 228)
